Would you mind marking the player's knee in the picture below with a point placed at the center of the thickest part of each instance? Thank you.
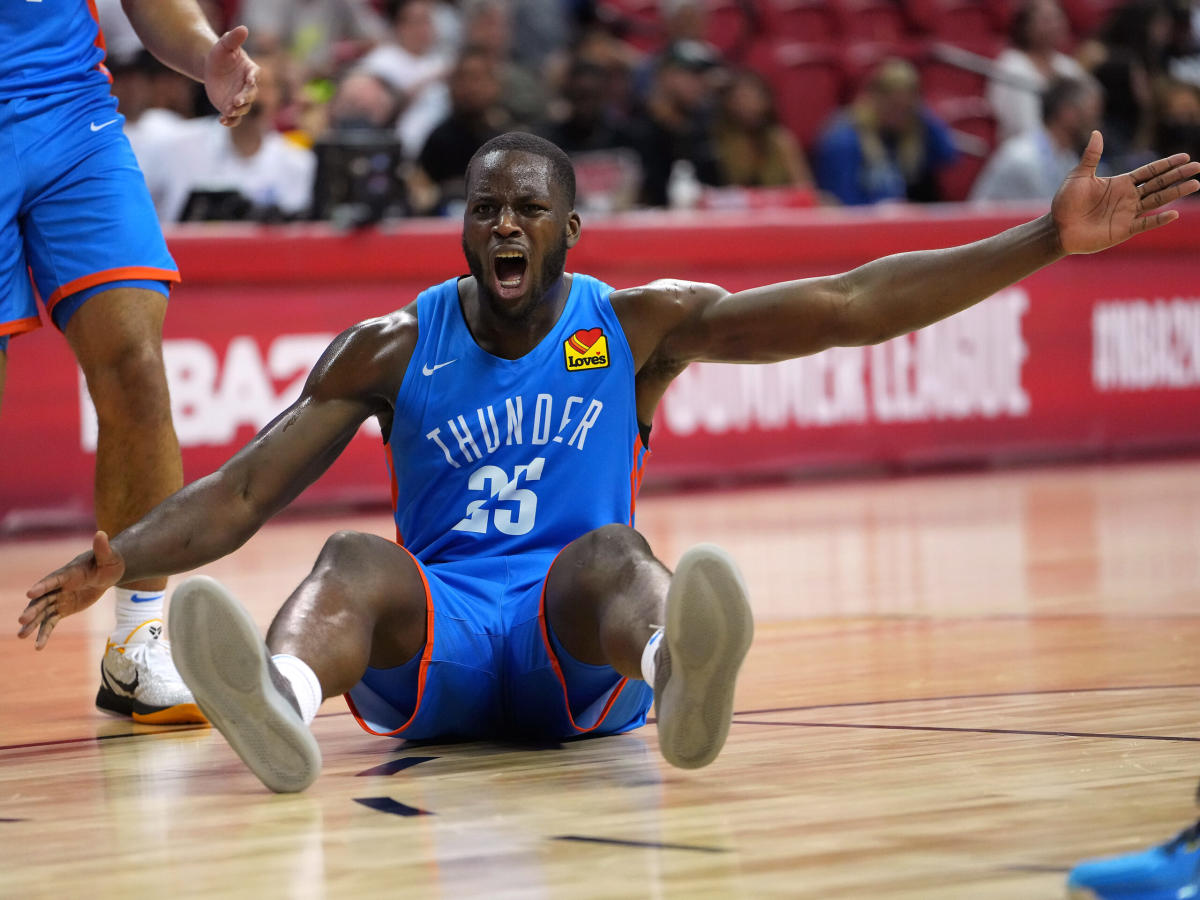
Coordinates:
(344, 549)
(608, 552)
(130, 384)
(615, 543)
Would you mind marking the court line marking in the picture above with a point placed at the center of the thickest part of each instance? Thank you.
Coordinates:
(999, 694)
(943, 728)
(649, 845)
(176, 729)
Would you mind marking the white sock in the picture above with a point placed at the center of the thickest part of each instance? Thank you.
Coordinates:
(304, 684)
(649, 657)
(134, 608)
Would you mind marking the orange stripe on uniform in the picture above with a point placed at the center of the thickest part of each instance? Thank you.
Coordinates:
(636, 471)
(127, 273)
(423, 671)
(99, 40)
(395, 494)
(616, 691)
(19, 326)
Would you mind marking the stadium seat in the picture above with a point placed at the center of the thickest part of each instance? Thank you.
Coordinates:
(945, 73)
(808, 86)
(873, 20)
(974, 128)
(804, 20)
(734, 24)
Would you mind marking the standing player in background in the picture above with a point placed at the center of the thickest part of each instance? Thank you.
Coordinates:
(516, 405)
(77, 221)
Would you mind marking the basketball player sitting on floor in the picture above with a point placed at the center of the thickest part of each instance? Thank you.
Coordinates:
(515, 403)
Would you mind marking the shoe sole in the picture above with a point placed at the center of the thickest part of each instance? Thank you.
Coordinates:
(708, 632)
(223, 660)
(179, 714)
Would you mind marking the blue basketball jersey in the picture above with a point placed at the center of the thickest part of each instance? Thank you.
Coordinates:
(495, 457)
(49, 47)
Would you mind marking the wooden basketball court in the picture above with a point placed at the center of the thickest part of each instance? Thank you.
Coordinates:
(960, 685)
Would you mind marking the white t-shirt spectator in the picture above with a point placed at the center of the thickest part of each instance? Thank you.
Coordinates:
(419, 79)
(199, 155)
(1019, 109)
(1026, 167)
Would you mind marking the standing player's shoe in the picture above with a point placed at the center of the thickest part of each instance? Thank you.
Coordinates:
(226, 664)
(1170, 871)
(708, 631)
(138, 679)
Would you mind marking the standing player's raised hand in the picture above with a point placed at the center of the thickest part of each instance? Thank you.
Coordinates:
(231, 77)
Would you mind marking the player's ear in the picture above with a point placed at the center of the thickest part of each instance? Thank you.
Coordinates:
(574, 227)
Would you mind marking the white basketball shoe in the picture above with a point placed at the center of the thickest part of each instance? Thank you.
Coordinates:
(707, 634)
(138, 679)
(227, 665)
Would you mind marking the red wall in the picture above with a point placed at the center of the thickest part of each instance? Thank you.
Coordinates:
(1095, 355)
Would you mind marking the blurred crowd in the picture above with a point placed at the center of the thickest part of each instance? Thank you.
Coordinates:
(370, 109)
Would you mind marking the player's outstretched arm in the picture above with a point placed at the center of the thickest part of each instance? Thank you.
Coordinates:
(901, 293)
(356, 378)
(178, 34)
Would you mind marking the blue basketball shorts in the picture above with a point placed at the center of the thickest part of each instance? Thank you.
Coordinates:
(75, 214)
(492, 669)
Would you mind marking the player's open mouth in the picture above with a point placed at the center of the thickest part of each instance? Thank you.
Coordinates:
(509, 268)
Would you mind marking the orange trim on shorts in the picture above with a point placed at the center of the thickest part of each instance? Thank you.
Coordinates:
(127, 273)
(19, 326)
(616, 691)
(426, 656)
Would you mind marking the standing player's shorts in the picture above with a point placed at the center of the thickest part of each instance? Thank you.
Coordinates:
(74, 208)
(491, 668)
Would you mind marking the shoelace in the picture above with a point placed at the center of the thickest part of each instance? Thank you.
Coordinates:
(145, 651)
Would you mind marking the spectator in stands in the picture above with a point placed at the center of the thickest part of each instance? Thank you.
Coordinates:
(607, 171)
(1032, 165)
(1024, 69)
(1140, 30)
(682, 20)
(754, 150)
(675, 123)
(586, 122)
(886, 145)
(311, 32)
(476, 116)
(248, 172)
(412, 67)
(363, 101)
(488, 25)
(153, 98)
(1128, 124)
(1178, 126)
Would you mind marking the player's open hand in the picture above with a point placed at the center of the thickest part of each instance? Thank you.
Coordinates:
(1093, 213)
(231, 76)
(74, 587)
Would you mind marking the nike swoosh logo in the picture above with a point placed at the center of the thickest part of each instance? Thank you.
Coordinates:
(96, 127)
(429, 370)
(128, 686)
(138, 598)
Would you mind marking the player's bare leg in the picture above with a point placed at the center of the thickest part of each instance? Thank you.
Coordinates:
(610, 601)
(117, 338)
(363, 604)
